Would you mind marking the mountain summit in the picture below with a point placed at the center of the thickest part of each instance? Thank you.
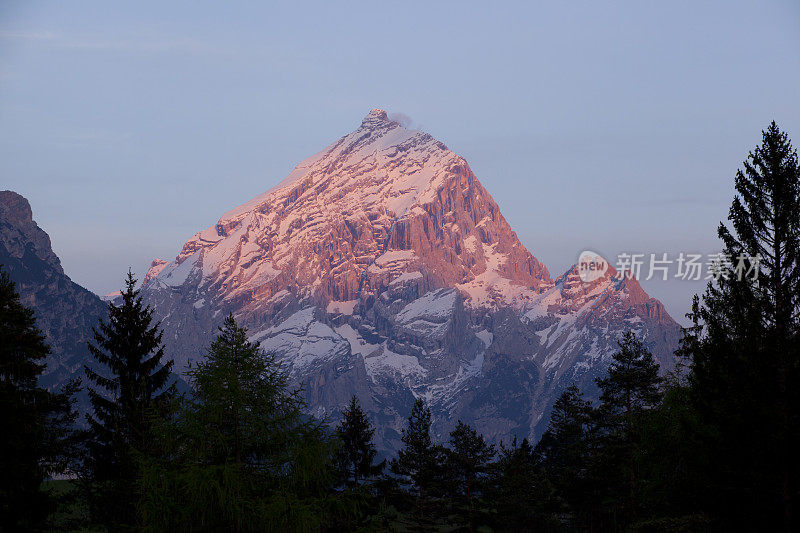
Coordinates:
(65, 311)
(381, 266)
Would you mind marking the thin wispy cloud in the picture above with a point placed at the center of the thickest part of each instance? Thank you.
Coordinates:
(96, 136)
(98, 43)
(402, 119)
(141, 45)
(27, 35)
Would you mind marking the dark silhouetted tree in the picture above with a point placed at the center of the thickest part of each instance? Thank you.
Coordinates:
(418, 461)
(129, 382)
(631, 388)
(566, 453)
(744, 349)
(37, 424)
(357, 453)
(523, 497)
(468, 459)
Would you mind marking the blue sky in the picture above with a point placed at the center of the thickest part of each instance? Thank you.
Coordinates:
(615, 127)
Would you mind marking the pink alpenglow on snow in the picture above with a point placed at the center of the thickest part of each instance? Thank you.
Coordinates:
(381, 266)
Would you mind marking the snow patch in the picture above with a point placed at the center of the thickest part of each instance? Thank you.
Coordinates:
(405, 278)
(357, 343)
(345, 308)
(435, 305)
(176, 275)
(485, 336)
(392, 363)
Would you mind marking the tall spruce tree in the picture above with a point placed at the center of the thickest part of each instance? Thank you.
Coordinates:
(468, 459)
(523, 497)
(631, 388)
(417, 461)
(357, 454)
(130, 382)
(744, 347)
(673, 471)
(565, 453)
(563, 444)
(240, 453)
(37, 424)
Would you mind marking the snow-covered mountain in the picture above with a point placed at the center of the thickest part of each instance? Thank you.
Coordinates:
(381, 267)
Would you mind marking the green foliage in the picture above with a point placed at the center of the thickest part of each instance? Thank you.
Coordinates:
(129, 385)
(38, 439)
(239, 453)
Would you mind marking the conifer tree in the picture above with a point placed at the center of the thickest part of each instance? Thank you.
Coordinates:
(631, 388)
(129, 383)
(566, 432)
(417, 460)
(520, 492)
(468, 459)
(357, 454)
(744, 349)
(240, 453)
(565, 451)
(36, 423)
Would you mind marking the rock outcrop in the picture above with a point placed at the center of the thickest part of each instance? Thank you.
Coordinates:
(65, 311)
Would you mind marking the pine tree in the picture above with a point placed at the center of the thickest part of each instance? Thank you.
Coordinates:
(468, 459)
(744, 348)
(36, 423)
(418, 460)
(130, 384)
(357, 454)
(565, 452)
(241, 455)
(673, 472)
(631, 388)
(522, 495)
(566, 432)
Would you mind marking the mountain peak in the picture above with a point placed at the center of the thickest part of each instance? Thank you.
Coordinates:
(155, 268)
(381, 267)
(15, 207)
(380, 202)
(19, 232)
(375, 117)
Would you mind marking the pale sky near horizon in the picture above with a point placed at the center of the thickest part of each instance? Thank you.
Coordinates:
(608, 126)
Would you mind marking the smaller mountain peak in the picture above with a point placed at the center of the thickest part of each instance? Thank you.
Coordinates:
(155, 269)
(111, 296)
(374, 118)
(15, 207)
(19, 230)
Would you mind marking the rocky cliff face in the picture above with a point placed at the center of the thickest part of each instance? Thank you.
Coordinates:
(381, 267)
(155, 268)
(64, 310)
